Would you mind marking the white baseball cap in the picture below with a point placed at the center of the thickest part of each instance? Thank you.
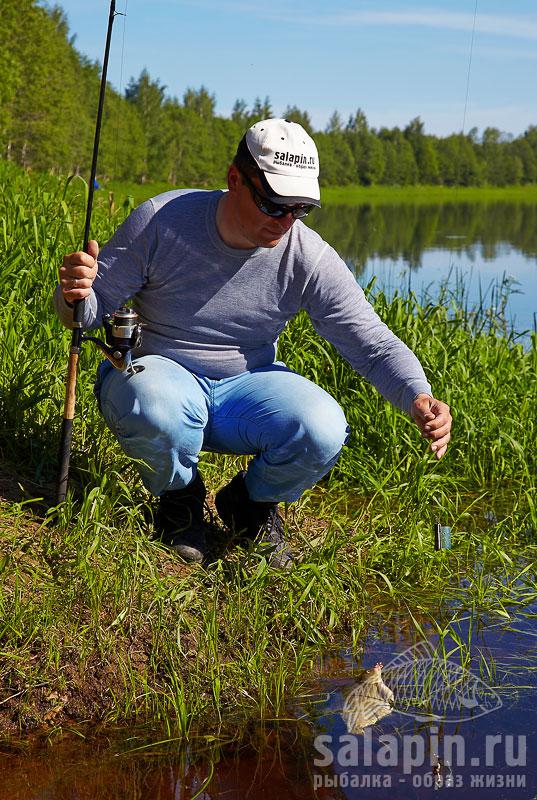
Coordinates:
(288, 160)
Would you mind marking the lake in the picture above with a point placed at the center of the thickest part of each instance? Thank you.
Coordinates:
(477, 249)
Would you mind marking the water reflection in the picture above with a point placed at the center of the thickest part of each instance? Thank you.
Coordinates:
(270, 762)
(419, 246)
(406, 231)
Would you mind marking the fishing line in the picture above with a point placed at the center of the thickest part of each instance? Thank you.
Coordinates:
(469, 70)
(442, 533)
(121, 65)
(467, 95)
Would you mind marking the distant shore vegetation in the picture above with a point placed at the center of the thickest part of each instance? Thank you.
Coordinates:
(48, 101)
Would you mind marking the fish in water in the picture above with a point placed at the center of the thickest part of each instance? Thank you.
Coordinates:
(368, 701)
(426, 686)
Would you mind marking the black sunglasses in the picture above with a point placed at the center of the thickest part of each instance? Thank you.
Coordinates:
(275, 209)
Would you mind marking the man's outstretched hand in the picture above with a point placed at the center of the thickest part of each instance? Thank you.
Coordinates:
(434, 421)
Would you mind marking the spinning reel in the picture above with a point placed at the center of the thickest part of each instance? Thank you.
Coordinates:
(123, 333)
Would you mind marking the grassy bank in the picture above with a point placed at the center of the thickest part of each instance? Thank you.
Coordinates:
(355, 195)
(99, 622)
(428, 195)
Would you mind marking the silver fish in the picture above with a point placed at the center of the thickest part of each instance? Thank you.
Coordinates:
(368, 701)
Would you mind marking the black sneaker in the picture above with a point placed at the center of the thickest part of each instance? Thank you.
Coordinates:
(257, 522)
(180, 523)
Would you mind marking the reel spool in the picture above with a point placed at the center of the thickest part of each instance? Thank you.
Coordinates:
(123, 333)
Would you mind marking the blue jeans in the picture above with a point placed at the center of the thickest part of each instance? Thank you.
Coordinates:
(165, 415)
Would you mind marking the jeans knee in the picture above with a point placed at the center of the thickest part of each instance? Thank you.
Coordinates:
(325, 432)
(148, 411)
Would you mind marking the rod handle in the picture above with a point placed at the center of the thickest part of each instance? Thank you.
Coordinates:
(66, 435)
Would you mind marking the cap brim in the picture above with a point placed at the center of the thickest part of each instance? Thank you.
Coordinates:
(287, 189)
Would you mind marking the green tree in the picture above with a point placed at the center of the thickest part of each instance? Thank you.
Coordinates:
(335, 123)
(424, 152)
(190, 147)
(261, 109)
(201, 102)
(38, 135)
(495, 165)
(294, 114)
(240, 115)
(400, 166)
(390, 173)
(147, 96)
(337, 165)
(358, 122)
(82, 121)
(367, 150)
(123, 152)
(530, 136)
(14, 13)
(459, 162)
(514, 168)
(528, 155)
(48, 102)
(226, 135)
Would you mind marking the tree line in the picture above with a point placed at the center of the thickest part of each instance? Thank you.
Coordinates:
(48, 101)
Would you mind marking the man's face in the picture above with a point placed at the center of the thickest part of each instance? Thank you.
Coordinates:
(256, 227)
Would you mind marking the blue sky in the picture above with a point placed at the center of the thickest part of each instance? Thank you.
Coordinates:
(395, 60)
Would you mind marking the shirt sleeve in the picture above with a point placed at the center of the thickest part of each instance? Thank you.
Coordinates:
(341, 314)
(123, 266)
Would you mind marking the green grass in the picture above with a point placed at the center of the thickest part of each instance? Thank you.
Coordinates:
(138, 191)
(352, 195)
(99, 622)
(428, 195)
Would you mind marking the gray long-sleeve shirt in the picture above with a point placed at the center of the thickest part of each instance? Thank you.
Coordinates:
(219, 311)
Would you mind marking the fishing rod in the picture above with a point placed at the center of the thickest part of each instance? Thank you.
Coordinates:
(123, 331)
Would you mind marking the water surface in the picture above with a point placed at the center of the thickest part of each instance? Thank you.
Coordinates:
(477, 248)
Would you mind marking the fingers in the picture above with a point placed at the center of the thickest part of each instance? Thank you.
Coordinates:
(438, 431)
(76, 282)
(440, 446)
(440, 438)
(433, 418)
(93, 248)
(438, 422)
(422, 408)
(78, 272)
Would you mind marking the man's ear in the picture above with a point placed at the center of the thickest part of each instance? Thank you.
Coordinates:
(233, 178)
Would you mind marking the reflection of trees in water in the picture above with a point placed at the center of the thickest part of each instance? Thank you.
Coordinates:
(405, 231)
(273, 761)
